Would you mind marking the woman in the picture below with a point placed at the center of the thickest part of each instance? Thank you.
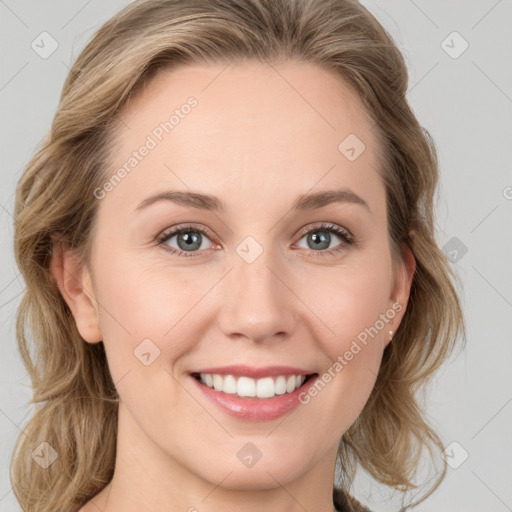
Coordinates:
(232, 280)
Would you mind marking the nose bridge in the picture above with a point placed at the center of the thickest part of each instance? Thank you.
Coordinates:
(257, 303)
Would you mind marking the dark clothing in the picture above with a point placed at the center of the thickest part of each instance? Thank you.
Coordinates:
(345, 503)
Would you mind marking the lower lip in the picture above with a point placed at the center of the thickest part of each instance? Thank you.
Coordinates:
(255, 409)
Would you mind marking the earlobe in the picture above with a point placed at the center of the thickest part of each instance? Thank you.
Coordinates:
(75, 285)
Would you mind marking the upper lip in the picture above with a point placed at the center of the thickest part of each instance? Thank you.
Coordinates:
(254, 372)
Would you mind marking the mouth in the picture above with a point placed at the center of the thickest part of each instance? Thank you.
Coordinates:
(247, 387)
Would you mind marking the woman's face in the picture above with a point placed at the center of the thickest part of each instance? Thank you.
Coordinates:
(268, 161)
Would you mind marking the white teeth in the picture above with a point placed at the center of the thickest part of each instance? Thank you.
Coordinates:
(208, 379)
(290, 384)
(218, 383)
(266, 387)
(280, 385)
(230, 385)
(245, 386)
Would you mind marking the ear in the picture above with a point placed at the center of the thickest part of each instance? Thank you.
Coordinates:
(75, 285)
(401, 288)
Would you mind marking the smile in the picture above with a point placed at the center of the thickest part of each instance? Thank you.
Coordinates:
(267, 395)
(242, 386)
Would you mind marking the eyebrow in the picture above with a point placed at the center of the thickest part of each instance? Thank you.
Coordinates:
(190, 199)
(319, 199)
(209, 202)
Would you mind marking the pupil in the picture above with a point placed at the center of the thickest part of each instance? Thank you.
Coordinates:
(323, 239)
(189, 240)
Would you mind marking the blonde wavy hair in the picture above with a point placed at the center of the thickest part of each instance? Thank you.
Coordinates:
(74, 396)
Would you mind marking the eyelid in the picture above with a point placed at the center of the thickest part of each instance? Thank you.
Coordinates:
(169, 233)
(346, 237)
(329, 227)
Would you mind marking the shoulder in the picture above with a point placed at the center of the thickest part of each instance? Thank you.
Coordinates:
(346, 503)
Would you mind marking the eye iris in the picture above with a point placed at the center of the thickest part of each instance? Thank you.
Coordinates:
(320, 237)
(189, 240)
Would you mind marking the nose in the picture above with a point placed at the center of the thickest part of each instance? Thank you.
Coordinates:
(258, 301)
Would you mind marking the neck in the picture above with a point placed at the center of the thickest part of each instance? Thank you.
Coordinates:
(147, 478)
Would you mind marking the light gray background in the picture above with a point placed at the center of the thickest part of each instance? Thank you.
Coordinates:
(465, 103)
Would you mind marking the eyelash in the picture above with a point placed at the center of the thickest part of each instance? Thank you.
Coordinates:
(346, 237)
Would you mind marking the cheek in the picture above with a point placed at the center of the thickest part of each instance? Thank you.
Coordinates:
(138, 302)
(146, 315)
(347, 301)
(353, 311)
(161, 311)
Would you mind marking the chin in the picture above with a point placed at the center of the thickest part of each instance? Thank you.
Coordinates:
(276, 471)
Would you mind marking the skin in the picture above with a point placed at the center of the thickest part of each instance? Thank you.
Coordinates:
(256, 143)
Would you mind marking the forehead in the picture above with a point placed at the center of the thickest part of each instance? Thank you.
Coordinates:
(253, 124)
